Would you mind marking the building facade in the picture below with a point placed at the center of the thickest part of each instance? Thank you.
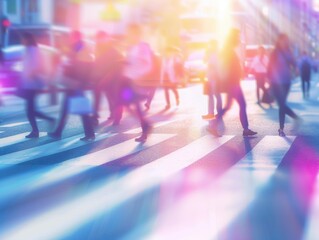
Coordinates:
(28, 11)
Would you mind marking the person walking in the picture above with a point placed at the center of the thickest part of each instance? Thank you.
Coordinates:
(281, 64)
(170, 74)
(77, 75)
(212, 75)
(105, 68)
(128, 88)
(259, 69)
(305, 69)
(229, 76)
(32, 82)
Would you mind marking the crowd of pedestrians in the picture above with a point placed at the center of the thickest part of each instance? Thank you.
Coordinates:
(128, 74)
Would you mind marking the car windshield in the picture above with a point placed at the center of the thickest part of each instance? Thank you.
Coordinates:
(41, 35)
(197, 55)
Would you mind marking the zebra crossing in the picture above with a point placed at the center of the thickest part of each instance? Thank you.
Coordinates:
(54, 189)
(257, 166)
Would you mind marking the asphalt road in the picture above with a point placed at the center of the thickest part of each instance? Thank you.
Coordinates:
(181, 184)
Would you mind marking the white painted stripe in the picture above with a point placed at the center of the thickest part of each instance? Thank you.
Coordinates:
(225, 198)
(46, 149)
(19, 138)
(156, 125)
(15, 124)
(111, 193)
(311, 228)
(47, 175)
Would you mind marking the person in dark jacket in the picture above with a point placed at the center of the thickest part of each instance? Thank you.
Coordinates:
(32, 82)
(281, 64)
(229, 76)
(138, 63)
(305, 69)
(77, 77)
(106, 66)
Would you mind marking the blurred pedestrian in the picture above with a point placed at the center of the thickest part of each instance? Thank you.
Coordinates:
(152, 80)
(305, 69)
(229, 76)
(281, 65)
(259, 69)
(212, 75)
(76, 76)
(129, 87)
(171, 74)
(105, 69)
(32, 82)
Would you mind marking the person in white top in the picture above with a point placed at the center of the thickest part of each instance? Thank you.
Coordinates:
(32, 82)
(171, 74)
(259, 68)
(129, 85)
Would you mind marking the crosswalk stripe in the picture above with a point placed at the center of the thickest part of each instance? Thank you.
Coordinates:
(113, 192)
(46, 149)
(15, 124)
(226, 197)
(48, 175)
(311, 229)
(156, 125)
(18, 138)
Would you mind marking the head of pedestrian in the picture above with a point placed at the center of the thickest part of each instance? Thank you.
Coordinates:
(212, 47)
(75, 36)
(282, 42)
(28, 40)
(101, 36)
(261, 50)
(134, 34)
(233, 38)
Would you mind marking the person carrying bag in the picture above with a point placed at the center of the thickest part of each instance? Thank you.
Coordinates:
(32, 82)
(77, 76)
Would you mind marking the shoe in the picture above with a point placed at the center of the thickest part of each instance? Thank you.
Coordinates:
(142, 138)
(248, 132)
(208, 116)
(177, 102)
(281, 133)
(54, 135)
(87, 139)
(213, 131)
(147, 106)
(32, 135)
(95, 122)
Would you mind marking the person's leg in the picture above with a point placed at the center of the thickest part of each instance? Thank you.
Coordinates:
(30, 110)
(97, 101)
(150, 97)
(64, 114)
(303, 86)
(279, 95)
(167, 99)
(308, 88)
(239, 97)
(211, 104)
(219, 102)
(175, 91)
(144, 124)
(88, 128)
(258, 86)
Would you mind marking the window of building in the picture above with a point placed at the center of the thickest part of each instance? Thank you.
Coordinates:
(12, 6)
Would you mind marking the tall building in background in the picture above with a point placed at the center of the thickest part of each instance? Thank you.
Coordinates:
(27, 11)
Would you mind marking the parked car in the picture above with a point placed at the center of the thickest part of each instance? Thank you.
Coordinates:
(11, 54)
(250, 52)
(195, 64)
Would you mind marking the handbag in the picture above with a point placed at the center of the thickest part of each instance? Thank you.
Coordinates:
(206, 88)
(267, 97)
(79, 105)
